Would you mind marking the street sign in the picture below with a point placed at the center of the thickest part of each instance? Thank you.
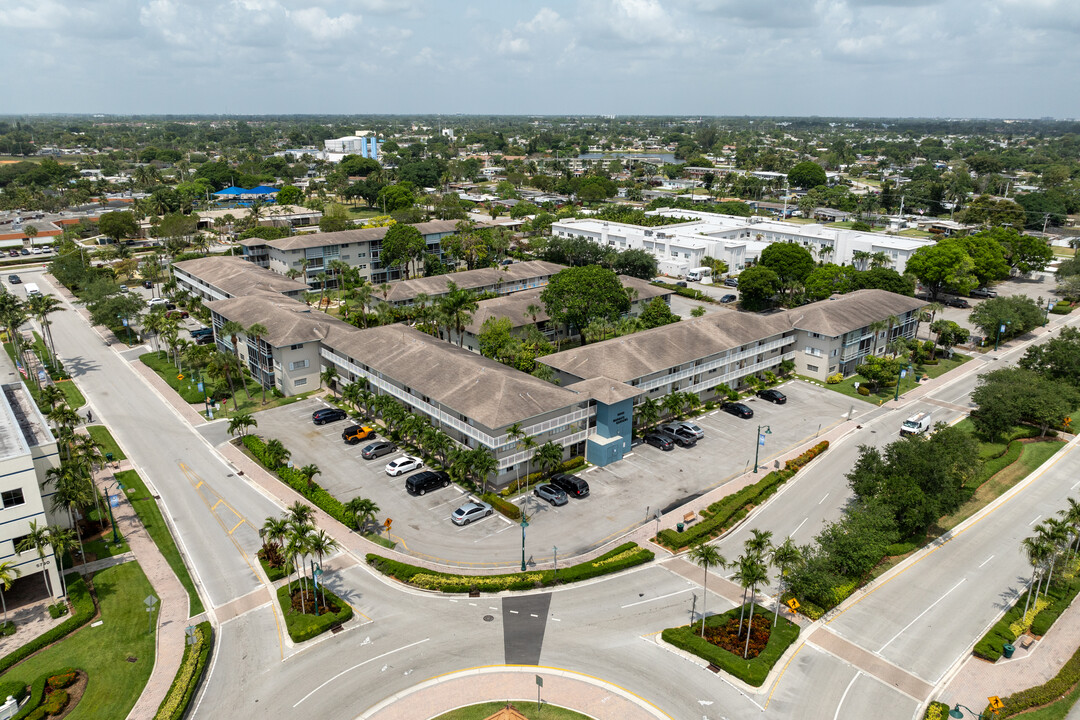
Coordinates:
(995, 702)
(387, 523)
(793, 604)
(539, 681)
(180, 376)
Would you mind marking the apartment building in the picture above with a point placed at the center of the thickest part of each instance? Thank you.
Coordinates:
(501, 280)
(219, 278)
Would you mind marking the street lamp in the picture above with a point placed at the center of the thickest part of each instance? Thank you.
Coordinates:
(1001, 329)
(956, 712)
(899, 377)
(108, 504)
(760, 442)
(1046, 312)
(524, 524)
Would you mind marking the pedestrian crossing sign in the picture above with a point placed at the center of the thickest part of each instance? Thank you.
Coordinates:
(793, 604)
(995, 703)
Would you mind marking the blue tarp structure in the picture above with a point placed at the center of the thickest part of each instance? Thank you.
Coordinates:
(260, 190)
(231, 191)
(263, 190)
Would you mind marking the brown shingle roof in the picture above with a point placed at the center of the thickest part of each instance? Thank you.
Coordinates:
(407, 290)
(287, 321)
(300, 242)
(843, 313)
(237, 277)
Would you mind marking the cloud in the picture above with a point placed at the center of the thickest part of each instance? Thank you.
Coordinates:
(510, 45)
(317, 23)
(545, 21)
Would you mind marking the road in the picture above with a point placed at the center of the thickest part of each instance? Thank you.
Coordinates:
(605, 628)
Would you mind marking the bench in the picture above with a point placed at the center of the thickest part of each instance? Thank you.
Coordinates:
(1026, 641)
(689, 517)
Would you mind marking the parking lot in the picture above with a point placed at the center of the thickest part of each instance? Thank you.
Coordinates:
(1036, 286)
(622, 495)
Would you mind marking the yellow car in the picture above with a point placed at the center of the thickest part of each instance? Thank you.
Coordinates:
(355, 433)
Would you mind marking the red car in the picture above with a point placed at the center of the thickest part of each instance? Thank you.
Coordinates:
(176, 314)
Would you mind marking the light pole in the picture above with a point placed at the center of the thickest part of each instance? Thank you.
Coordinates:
(760, 442)
(899, 377)
(524, 524)
(1001, 329)
(1046, 312)
(108, 504)
(957, 713)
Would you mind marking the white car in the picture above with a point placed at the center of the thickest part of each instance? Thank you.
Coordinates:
(402, 465)
(156, 301)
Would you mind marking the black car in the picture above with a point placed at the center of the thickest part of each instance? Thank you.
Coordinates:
(328, 415)
(659, 440)
(680, 284)
(957, 302)
(773, 396)
(24, 251)
(423, 482)
(14, 279)
(572, 485)
(378, 449)
(737, 409)
(729, 299)
(204, 339)
(731, 282)
(148, 284)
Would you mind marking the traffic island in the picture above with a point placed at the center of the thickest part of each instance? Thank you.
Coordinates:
(723, 646)
(523, 709)
(307, 616)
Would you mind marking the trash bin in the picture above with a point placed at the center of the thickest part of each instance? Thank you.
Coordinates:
(679, 526)
(1008, 650)
(108, 457)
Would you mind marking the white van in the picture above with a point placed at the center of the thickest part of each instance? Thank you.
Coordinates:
(32, 290)
(699, 274)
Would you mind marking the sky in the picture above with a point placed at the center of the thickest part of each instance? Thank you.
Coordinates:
(841, 58)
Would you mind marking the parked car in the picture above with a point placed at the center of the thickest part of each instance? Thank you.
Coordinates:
(170, 306)
(572, 485)
(199, 332)
(123, 288)
(731, 282)
(175, 313)
(148, 284)
(24, 251)
(729, 298)
(737, 409)
(554, 495)
(377, 450)
(13, 253)
(423, 482)
(983, 293)
(659, 440)
(680, 284)
(355, 433)
(470, 511)
(205, 340)
(324, 415)
(156, 302)
(14, 279)
(403, 464)
(682, 439)
(957, 302)
(773, 396)
(688, 428)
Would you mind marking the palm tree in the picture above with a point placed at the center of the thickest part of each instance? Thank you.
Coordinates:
(351, 394)
(752, 571)
(42, 306)
(276, 453)
(1071, 515)
(484, 464)
(706, 556)
(860, 258)
(549, 457)
(51, 395)
(691, 401)
(517, 434)
(309, 472)
(319, 545)
(223, 365)
(8, 573)
(62, 541)
(240, 422)
(329, 378)
(785, 556)
(648, 412)
(294, 551)
(457, 308)
(672, 403)
(876, 327)
(273, 531)
(257, 331)
(37, 539)
(362, 510)
(1056, 533)
(233, 330)
(441, 444)
(72, 490)
(321, 277)
(363, 296)
(1037, 552)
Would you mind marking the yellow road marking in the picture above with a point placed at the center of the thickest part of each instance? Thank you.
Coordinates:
(237, 525)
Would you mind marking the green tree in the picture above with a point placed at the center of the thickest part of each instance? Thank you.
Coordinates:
(807, 175)
(1005, 397)
(456, 308)
(576, 296)
(879, 370)
(657, 313)
(549, 457)
(240, 422)
(1057, 359)
(37, 539)
(401, 245)
(119, 226)
(792, 263)
(1023, 253)
(943, 265)
(289, 195)
(757, 287)
(497, 340)
(637, 263)
(257, 331)
(1018, 313)
(8, 573)
(785, 557)
(829, 279)
(335, 219)
(706, 556)
(362, 510)
(397, 198)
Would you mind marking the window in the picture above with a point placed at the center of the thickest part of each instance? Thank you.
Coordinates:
(11, 498)
(298, 365)
(301, 381)
(812, 368)
(835, 352)
(298, 346)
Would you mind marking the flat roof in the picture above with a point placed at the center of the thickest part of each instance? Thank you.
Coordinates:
(484, 390)
(22, 425)
(287, 321)
(841, 314)
(237, 277)
(406, 290)
(643, 353)
(313, 240)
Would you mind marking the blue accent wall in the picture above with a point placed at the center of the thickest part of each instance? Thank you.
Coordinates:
(612, 421)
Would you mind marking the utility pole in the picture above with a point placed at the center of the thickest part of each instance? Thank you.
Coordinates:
(1046, 220)
(784, 216)
(901, 215)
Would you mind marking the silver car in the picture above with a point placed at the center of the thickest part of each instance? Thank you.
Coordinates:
(555, 496)
(470, 511)
(688, 428)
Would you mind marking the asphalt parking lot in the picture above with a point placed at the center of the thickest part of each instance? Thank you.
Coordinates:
(622, 496)
(1036, 286)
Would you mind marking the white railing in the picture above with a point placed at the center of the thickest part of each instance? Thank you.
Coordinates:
(716, 364)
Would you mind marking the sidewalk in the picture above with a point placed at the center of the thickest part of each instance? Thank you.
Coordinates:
(172, 610)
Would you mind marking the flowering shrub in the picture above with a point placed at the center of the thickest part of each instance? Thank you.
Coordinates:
(187, 677)
(727, 636)
(62, 681)
(1021, 626)
(835, 379)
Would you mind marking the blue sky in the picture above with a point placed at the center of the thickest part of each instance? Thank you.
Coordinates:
(936, 58)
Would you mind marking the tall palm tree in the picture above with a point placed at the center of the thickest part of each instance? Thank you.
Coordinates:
(73, 490)
(276, 453)
(294, 551)
(1056, 534)
(62, 541)
(240, 422)
(223, 365)
(351, 394)
(876, 327)
(8, 573)
(273, 531)
(37, 539)
(1071, 515)
(484, 464)
(752, 572)
(329, 378)
(256, 331)
(785, 556)
(457, 308)
(648, 412)
(706, 556)
(51, 396)
(362, 510)
(320, 544)
(1037, 551)
(42, 306)
(549, 456)
(363, 295)
(672, 403)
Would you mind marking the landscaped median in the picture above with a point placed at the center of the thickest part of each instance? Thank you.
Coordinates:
(187, 679)
(1040, 617)
(727, 511)
(624, 556)
(767, 643)
(1062, 684)
(302, 626)
(292, 477)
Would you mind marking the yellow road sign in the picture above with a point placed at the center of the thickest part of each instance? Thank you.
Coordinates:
(793, 604)
(995, 702)
(180, 377)
(387, 523)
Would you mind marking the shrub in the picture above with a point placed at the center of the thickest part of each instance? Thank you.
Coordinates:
(936, 711)
(1053, 689)
(1062, 307)
(752, 671)
(188, 677)
(835, 379)
(303, 626)
(57, 610)
(41, 704)
(900, 548)
(13, 689)
(622, 557)
(63, 680)
(84, 611)
(863, 390)
(292, 477)
(505, 507)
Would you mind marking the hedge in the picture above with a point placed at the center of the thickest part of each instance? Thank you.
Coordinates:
(1062, 307)
(936, 711)
(729, 510)
(12, 688)
(292, 477)
(990, 647)
(505, 507)
(624, 556)
(84, 611)
(275, 573)
(304, 626)
(1053, 689)
(188, 676)
(533, 478)
(752, 672)
(33, 706)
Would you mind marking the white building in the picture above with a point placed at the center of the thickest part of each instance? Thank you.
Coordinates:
(362, 143)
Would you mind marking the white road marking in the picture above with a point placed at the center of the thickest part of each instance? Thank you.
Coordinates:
(928, 609)
(642, 602)
(1036, 518)
(987, 560)
(823, 499)
(533, 615)
(1075, 484)
(472, 604)
(513, 612)
(377, 657)
(842, 697)
(800, 525)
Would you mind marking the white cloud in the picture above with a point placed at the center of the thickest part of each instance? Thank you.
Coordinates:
(510, 45)
(317, 23)
(545, 21)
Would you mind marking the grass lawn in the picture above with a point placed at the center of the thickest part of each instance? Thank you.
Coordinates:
(1055, 711)
(115, 684)
(357, 211)
(102, 549)
(101, 434)
(847, 386)
(525, 707)
(72, 394)
(1063, 251)
(151, 518)
(912, 232)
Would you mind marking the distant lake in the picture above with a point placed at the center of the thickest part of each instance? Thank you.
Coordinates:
(658, 158)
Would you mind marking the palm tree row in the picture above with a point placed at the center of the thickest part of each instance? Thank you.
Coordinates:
(55, 538)
(1053, 539)
(295, 539)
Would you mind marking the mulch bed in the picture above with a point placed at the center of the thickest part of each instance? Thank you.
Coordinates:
(306, 603)
(727, 636)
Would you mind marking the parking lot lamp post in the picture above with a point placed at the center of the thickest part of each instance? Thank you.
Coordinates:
(760, 442)
(108, 504)
(524, 524)
(1001, 329)
(1046, 312)
(899, 377)
(957, 713)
